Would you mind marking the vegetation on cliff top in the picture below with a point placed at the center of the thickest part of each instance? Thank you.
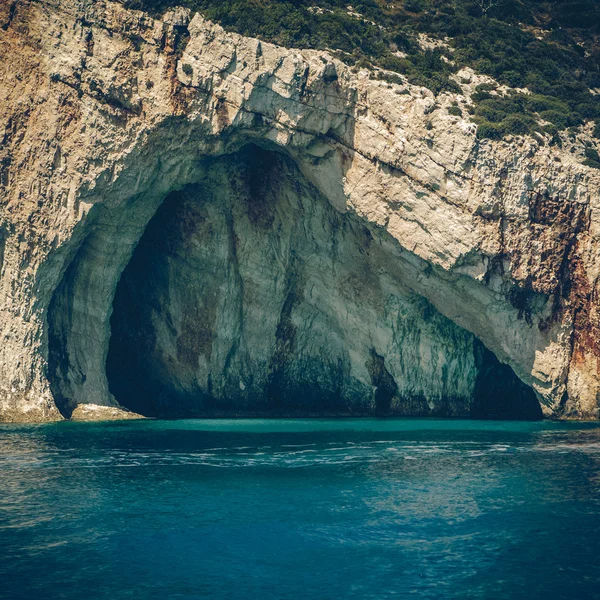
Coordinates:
(550, 47)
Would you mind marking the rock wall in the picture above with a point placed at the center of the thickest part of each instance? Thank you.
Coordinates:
(106, 112)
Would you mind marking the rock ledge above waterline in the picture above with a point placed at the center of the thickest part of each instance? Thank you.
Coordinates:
(94, 412)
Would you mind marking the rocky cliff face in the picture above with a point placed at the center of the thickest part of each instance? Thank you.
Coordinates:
(270, 229)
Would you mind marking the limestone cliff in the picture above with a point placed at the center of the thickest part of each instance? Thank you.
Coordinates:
(269, 227)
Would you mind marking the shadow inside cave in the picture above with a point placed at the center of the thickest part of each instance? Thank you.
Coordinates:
(248, 294)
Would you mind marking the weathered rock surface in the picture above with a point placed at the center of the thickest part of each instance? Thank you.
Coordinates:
(106, 112)
(93, 412)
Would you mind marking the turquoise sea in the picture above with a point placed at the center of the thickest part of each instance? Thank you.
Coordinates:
(295, 509)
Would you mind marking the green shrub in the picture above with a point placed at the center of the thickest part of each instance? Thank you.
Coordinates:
(415, 6)
(490, 131)
(481, 96)
(560, 119)
(518, 124)
(539, 103)
(390, 78)
(592, 154)
(486, 87)
(592, 159)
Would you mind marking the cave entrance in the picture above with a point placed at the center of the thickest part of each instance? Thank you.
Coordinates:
(248, 294)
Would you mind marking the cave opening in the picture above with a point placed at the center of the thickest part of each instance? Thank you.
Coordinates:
(249, 295)
(246, 293)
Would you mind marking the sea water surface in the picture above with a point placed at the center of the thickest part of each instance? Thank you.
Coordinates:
(294, 509)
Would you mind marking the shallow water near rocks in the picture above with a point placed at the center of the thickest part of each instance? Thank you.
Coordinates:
(327, 509)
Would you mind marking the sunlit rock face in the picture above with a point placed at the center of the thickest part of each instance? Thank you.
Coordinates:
(250, 294)
(396, 263)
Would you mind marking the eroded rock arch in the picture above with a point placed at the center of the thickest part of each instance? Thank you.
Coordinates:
(250, 294)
